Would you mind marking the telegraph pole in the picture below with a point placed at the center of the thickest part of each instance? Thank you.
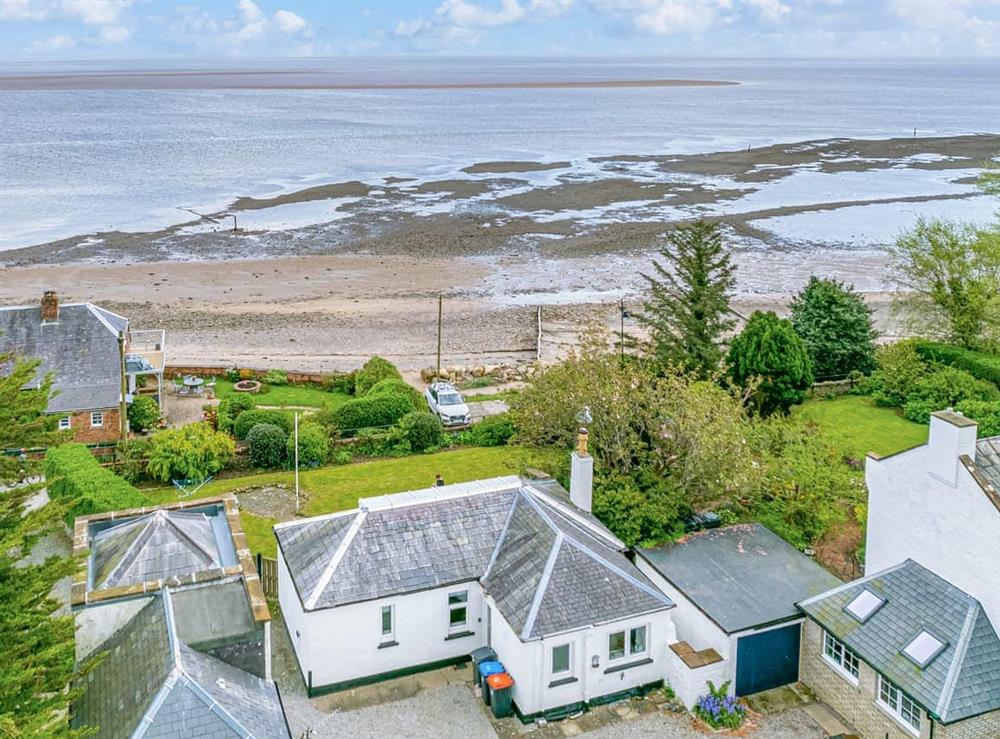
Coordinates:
(440, 315)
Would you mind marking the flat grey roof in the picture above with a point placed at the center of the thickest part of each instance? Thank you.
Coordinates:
(741, 576)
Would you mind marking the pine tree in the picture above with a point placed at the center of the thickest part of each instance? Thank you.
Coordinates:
(38, 661)
(770, 359)
(688, 307)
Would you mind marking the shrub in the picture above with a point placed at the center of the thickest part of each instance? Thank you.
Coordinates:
(327, 419)
(266, 445)
(341, 383)
(980, 365)
(342, 456)
(944, 388)
(719, 709)
(275, 377)
(491, 431)
(74, 474)
(389, 442)
(899, 370)
(637, 516)
(230, 408)
(131, 459)
(191, 452)
(374, 371)
(984, 412)
(314, 445)
(370, 411)
(397, 387)
(248, 419)
(769, 349)
(143, 413)
(422, 430)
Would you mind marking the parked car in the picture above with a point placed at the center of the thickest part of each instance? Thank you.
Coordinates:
(446, 403)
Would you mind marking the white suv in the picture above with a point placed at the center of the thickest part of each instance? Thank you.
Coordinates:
(446, 403)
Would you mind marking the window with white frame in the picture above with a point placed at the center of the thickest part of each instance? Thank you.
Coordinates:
(97, 420)
(561, 662)
(837, 653)
(64, 423)
(897, 703)
(388, 623)
(458, 610)
(629, 643)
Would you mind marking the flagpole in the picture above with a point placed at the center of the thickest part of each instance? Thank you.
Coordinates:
(296, 461)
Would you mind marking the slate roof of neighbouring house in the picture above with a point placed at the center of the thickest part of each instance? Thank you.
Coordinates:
(962, 681)
(548, 566)
(81, 350)
(159, 545)
(740, 576)
(148, 676)
(988, 460)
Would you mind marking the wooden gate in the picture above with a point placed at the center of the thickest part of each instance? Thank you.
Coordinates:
(268, 570)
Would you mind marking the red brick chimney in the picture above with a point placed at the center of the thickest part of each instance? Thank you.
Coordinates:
(50, 307)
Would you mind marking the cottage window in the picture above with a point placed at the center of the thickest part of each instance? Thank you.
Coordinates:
(388, 623)
(837, 654)
(620, 647)
(458, 609)
(616, 645)
(97, 419)
(560, 659)
(899, 705)
(64, 423)
(637, 640)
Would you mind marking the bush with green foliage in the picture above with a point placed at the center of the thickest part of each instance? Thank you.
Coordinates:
(390, 442)
(372, 372)
(190, 452)
(372, 411)
(229, 409)
(266, 446)
(397, 387)
(945, 388)
(342, 456)
(248, 419)
(314, 445)
(422, 430)
(835, 324)
(720, 709)
(325, 418)
(981, 365)
(275, 377)
(143, 414)
(73, 473)
(131, 459)
(984, 412)
(491, 431)
(341, 383)
(898, 370)
(635, 516)
(769, 349)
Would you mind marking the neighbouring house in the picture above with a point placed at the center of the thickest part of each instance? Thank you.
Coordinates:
(87, 349)
(736, 590)
(211, 640)
(418, 580)
(911, 649)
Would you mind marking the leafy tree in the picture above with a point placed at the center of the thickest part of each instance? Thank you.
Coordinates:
(372, 372)
(836, 326)
(769, 349)
(314, 445)
(38, 662)
(899, 369)
(190, 452)
(687, 312)
(952, 274)
(143, 413)
(266, 445)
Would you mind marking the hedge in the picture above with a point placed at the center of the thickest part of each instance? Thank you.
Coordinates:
(372, 372)
(74, 473)
(400, 387)
(382, 409)
(230, 407)
(978, 364)
(248, 419)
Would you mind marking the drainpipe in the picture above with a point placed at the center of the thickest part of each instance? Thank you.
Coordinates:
(123, 405)
(586, 663)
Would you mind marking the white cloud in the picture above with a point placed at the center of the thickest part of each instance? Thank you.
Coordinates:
(249, 26)
(669, 17)
(465, 20)
(944, 22)
(770, 10)
(25, 10)
(114, 34)
(95, 12)
(54, 43)
(289, 22)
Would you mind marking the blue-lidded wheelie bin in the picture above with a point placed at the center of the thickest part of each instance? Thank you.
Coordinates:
(501, 687)
(483, 654)
(487, 668)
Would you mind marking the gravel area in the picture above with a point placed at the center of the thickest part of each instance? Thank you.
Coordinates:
(793, 724)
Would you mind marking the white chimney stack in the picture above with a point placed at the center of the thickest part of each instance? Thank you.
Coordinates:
(581, 474)
(952, 435)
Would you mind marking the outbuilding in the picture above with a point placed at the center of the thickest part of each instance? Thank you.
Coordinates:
(736, 590)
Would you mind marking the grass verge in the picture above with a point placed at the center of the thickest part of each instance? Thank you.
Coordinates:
(288, 395)
(858, 426)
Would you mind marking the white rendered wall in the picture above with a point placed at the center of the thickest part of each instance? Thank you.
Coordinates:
(342, 643)
(291, 612)
(689, 685)
(923, 507)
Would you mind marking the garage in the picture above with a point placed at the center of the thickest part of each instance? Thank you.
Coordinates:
(767, 660)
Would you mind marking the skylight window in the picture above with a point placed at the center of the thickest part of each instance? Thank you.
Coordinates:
(924, 648)
(864, 605)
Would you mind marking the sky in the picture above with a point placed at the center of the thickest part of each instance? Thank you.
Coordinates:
(40, 30)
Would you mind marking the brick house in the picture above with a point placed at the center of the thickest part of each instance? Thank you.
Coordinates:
(86, 348)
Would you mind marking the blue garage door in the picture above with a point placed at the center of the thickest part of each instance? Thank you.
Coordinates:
(767, 660)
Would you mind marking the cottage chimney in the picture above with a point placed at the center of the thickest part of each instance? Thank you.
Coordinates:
(581, 474)
(952, 435)
(50, 307)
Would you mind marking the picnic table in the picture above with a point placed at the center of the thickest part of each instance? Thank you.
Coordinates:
(193, 383)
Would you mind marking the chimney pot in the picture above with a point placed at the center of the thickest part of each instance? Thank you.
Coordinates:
(50, 306)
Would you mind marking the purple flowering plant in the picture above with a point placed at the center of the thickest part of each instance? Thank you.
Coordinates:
(719, 709)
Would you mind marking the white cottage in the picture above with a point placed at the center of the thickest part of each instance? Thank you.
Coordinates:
(418, 580)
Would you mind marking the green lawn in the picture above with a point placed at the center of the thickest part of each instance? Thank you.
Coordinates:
(331, 489)
(859, 426)
(288, 395)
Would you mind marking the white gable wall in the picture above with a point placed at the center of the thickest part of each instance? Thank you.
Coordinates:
(924, 505)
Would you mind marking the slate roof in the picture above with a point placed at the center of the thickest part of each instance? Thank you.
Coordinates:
(740, 576)
(81, 350)
(150, 683)
(960, 682)
(548, 566)
(988, 460)
(157, 546)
